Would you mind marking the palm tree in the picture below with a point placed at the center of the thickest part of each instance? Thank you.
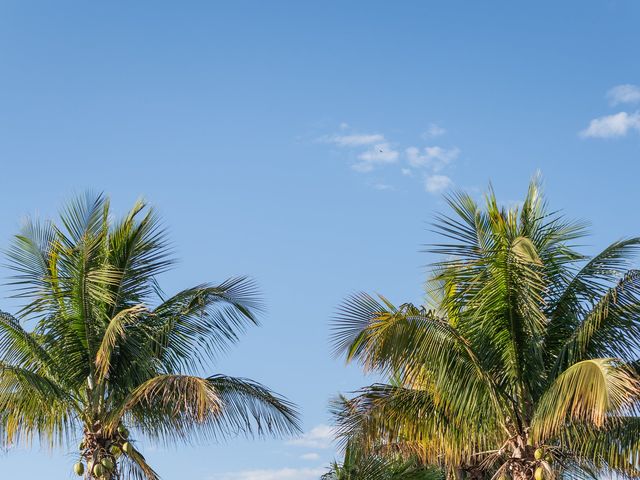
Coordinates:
(524, 360)
(108, 352)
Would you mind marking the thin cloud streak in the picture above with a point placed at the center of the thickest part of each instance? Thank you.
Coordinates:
(355, 140)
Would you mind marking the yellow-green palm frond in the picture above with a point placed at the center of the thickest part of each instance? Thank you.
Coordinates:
(170, 407)
(115, 334)
(592, 392)
(417, 345)
(613, 448)
(609, 326)
(415, 422)
(33, 406)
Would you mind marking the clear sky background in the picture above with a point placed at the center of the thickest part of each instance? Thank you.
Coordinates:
(308, 144)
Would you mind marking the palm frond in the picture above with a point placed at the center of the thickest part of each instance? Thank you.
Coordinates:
(250, 408)
(33, 406)
(611, 450)
(383, 418)
(609, 327)
(115, 332)
(135, 466)
(199, 323)
(420, 347)
(592, 392)
(183, 407)
(139, 250)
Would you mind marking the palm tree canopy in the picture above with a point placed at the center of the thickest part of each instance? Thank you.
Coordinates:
(107, 349)
(523, 344)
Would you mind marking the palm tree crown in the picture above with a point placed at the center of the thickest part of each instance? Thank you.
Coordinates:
(523, 363)
(108, 351)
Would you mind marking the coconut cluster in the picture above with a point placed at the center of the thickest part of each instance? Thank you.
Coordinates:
(102, 453)
(525, 467)
(543, 463)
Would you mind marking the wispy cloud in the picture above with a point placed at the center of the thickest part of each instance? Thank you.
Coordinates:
(382, 186)
(378, 150)
(378, 154)
(432, 161)
(274, 474)
(612, 126)
(320, 436)
(433, 131)
(434, 157)
(437, 183)
(355, 140)
(310, 456)
(626, 93)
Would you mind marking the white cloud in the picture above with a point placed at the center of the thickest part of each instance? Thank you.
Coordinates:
(437, 183)
(378, 154)
(435, 157)
(624, 94)
(344, 126)
(383, 186)
(274, 474)
(406, 172)
(310, 456)
(610, 126)
(434, 130)
(355, 140)
(320, 436)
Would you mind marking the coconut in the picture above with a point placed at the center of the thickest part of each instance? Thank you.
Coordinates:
(115, 450)
(548, 458)
(98, 470)
(539, 473)
(538, 454)
(127, 448)
(79, 468)
(107, 463)
(122, 430)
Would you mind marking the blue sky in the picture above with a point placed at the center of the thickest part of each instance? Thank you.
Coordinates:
(307, 144)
